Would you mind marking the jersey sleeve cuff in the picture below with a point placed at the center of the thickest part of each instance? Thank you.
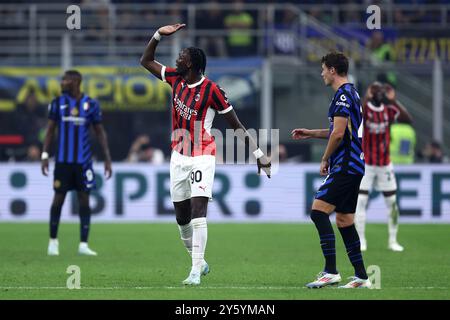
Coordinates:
(341, 114)
(226, 110)
(163, 73)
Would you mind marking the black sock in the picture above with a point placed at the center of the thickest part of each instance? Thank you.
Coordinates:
(55, 215)
(353, 246)
(327, 239)
(85, 222)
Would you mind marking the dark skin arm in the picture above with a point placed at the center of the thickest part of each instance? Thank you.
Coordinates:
(234, 122)
(148, 57)
(50, 133)
(404, 116)
(336, 136)
(102, 138)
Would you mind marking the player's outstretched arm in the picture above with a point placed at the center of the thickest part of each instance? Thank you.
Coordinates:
(303, 134)
(49, 134)
(103, 139)
(262, 161)
(148, 57)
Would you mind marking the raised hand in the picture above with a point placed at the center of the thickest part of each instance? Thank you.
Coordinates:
(168, 30)
(390, 92)
(301, 134)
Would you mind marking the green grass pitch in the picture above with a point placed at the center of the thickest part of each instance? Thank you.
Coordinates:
(248, 261)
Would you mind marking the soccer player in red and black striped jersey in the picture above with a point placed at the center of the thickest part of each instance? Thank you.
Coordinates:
(195, 101)
(381, 109)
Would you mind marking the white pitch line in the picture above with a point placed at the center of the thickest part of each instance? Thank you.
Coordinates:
(205, 288)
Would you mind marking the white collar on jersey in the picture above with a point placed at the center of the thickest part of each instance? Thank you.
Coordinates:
(190, 86)
(374, 108)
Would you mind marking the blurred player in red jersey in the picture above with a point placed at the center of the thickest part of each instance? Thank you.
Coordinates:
(196, 99)
(381, 109)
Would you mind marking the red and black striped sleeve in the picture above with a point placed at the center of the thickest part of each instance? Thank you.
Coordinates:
(220, 100)
(393, 113)
(169, 74)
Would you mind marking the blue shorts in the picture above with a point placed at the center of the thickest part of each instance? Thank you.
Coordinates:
(341, 190)
(68, 176)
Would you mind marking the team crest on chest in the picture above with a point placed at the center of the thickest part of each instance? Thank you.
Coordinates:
(86, 106)
(74, 112)
(197, 97)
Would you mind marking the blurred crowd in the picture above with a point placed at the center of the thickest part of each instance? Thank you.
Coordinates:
(239, 25)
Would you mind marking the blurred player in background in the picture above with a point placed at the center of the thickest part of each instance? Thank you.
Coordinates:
(73, 113)
(343, 166)
(381, 109)
(196, 99)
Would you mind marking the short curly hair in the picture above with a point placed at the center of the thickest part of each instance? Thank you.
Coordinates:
(198, 59)
(336, 60)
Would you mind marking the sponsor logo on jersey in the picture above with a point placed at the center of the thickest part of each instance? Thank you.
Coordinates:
(377, 127)
(345, 104)
(182, 109)
(78, 121)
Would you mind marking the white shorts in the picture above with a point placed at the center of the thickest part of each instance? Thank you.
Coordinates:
(191, 176)
(380, 177)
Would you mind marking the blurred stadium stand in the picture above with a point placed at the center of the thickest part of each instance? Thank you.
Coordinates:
(270, 67)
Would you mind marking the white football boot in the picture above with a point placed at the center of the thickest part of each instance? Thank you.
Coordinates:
(356, 283)
(205, 269)
(363, 244)
(53, 247)
(193, 279)
(324, 279)
(84, 250)
(395, 246)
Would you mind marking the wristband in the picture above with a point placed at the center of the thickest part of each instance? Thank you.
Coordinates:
(44, 156)
(157, 36)
(258, 153)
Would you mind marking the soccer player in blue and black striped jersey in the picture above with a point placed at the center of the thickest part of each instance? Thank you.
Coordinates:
(343, 166)
(72, 114)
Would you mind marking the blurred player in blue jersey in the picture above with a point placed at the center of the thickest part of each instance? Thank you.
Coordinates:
(73, 113)
(343, 166)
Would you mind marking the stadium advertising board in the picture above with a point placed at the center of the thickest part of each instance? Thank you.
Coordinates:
(409, 47)
(141, 193)
(118, 88)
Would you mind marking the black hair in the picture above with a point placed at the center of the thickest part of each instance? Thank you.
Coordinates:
(435, 144)
(198, 59)
(336, 60)
(74, 73)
